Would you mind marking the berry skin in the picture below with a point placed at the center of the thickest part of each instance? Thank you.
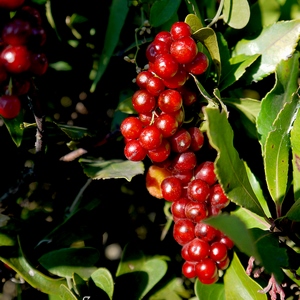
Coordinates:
(171, 188)
(155, 49)
(164, 36)
(38, 63)
(223, 265)
(161, 153)
(165, 66)
(180, 141)
(188, 97)
(198, 249)
(217, 197)
(166, 124)
(183, 231)
(142, 78)
(169, 101)
(188, 269)
(131, 128)
(178, 80)
(218, 251)
(206, 270)
(185, 253)
(184, 49)
(150, 137)
(205, 232)
(198, 190)
(178, 208)
(10, 106)
(143, 102)
(184, 176)
(198, 65)
(185, 161)
(16, 59)
(196, 211)
(179, 30)
(206, 172)
(11, 4)
(155, 86)
(226, 241)
(16, 32)
(134, 151)
(197, 138)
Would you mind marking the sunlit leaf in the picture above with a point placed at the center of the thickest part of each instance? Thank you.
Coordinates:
(238, 285)
(126, 106)
(230, 169)
(294, 212)
(275, 43)
(66, 294)
(109, 169)
(209, 291)
(103, 279)
(161, 11)
(236, 13)
(118, 13)
(194, 22)
(6, 240)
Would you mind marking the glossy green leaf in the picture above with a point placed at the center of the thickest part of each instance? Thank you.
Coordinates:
(64, 262)
(273, 257)
(238, 66)
(162, 11)
(116, 168)
(6, 240)
(15, 129)
(209, 291)
(236, 13)
(173, 290)
(103, 279)
(126, 106)
(30, 274)
(117, 16)
(194, 22)
(285, 86)
(208, 37)
(275, 43)
(295, 144)
(75, 132)
(277, 152)
(238, 285)
(230, 169)
(294, 212)
(236, 230)
(66, 294)
(142, 273)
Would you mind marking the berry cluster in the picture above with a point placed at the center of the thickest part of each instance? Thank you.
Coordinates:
(159, 133)
(21, 59)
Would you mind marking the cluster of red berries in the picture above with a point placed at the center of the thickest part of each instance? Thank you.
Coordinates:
(21, 57)
(159, 133)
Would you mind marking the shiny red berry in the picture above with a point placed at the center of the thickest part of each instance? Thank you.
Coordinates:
(143, 102)
(206, 172)
(180, 141)
(196, 211)
(165, 66)
(198, 65)
(134, 151)
(169, 101)
(198, 249)
(178, 208)
(131, 127)
(142, 78)
(150, 137)
(10, 106)
(11, 4)
(188, 269)
(179, 30)
(161, 153)
(183, 231)
(184, 49)
(184, 161)
(16, 32)
(198, 190)
(171, 188)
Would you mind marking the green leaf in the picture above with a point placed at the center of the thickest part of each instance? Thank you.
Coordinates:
(66, 262)
(230, 169)
(142, 273)
(162, 11)
(236, 69)
(238, 285)
(236, 13)
(15, 129)
(116, 168)
(275, 43)
(126, 106)
(285, 86)
(118, 13)
(236, 230)
(66, 294)
(277, 152)
(173, 290)
(103, 279)
(294, 212)
(6, 240)
(80, 286)
(273, 257)
(209, 291)
(295, 144)
(75, 132)
(208, 37)
(194, 22)
(61, 66)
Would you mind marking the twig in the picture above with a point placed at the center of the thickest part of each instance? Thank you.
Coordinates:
(218, 14)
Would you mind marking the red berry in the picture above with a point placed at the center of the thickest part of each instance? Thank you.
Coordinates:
(197, 138)
(196, 211)
(28, 13)
(185, 161)
(179, 30)
(11, 4)
(171, 188)
(164, 36)
(198, 190)
(180, 141)
(143, 102)
(161, 153)
(226, 241)
(134, 151)
(223, 265)
(155, 86)
(166, 124)
(184, 49)
(178, 208)
(155, 49)
(188, 269)
(205, 232)
(38, 63)
(169, 101)
(150, 137)
(206, 172)
(188, 97)
(37, 37)
(142, 78)
(184, 176)
(177, 80)
(218, 251)
(183, 231)
(198, 249)
(146, 118)
(206, 269)
(10, 106)
(217, 197)
(198, 65)
(185, 253)
(131, 128)
(16, 32)
(165, 66)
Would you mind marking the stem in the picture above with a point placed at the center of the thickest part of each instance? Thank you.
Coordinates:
(218, 14)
